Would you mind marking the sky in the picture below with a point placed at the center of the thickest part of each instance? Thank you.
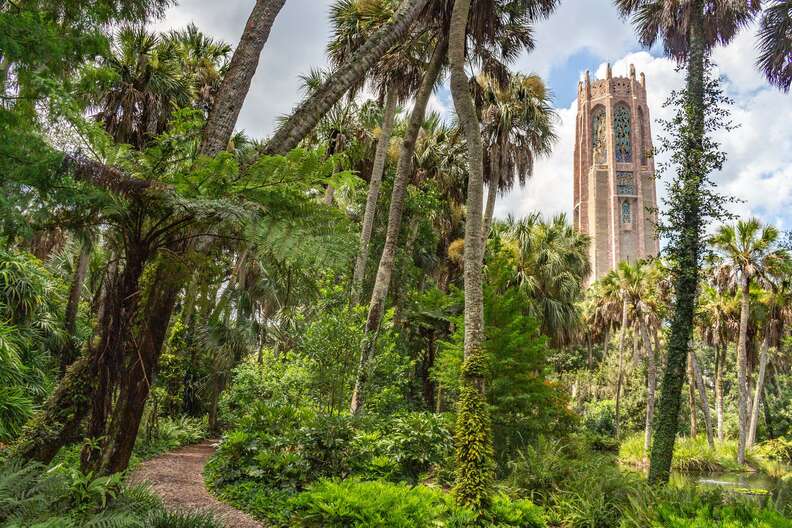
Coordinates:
(580, 35)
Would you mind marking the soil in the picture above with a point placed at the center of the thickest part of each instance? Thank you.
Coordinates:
(177, 477)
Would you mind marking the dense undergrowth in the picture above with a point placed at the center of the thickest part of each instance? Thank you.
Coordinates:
(288, 464)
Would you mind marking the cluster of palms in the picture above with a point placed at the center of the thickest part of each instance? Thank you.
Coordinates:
(743, 315)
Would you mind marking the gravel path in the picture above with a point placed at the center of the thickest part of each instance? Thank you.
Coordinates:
(177, 477)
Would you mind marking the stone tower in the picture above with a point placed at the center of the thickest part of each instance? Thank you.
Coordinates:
(614, 194)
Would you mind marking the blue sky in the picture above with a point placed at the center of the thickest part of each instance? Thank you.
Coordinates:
(581, 34)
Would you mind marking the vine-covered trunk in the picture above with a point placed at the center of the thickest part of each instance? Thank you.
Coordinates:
(687, 253)
(311, 110)
(651, 386)
(236, 81)
(375, 182)
(742, 370)
(619, 379)
(473, 430)
(764, 357)
(386, 263)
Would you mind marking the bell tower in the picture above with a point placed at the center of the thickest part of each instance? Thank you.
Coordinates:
(614, 175)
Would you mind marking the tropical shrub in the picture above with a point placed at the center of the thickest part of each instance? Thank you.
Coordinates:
(690, 454)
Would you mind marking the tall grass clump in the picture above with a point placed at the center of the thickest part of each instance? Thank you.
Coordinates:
(691, 455)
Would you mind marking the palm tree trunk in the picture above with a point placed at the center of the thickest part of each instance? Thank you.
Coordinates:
(474, 435)
(704, 400)
(651, 385)
(620, 377)
(763, 359)
(310, 111)
(719, 359)
(373, 193)
(386, 263)
(687, 254)
(692, 397)
(236, 82)
(73, 304)
(492, 194)
(742, 371)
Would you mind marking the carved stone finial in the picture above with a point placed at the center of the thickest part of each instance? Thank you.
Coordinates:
(632, 71)
(609, 72)
(643, 80)
(587, 83)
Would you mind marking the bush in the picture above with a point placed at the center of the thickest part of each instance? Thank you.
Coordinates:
(167, 434)
(352, 503)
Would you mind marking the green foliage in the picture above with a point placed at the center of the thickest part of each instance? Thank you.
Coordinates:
(354, 503)
(34, 496)
(162, 434)
(690, 454)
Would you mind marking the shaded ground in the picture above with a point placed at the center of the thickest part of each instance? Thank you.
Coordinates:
(177, 477)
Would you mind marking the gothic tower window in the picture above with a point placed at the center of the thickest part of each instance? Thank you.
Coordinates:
(621, 132)
(598, 131)
(626, 213)
(642, 136)
(625, 183)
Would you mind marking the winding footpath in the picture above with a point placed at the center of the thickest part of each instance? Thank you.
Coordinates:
(177, 477)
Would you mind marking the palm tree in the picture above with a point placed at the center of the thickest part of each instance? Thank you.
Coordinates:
(551, 261)
(236, 81)
(518, 123)
(775, 43)
(150, 84)
(688, 31)
(387, 259)
(396, 75)
(717, 308)
(749, 249)
(346, 76)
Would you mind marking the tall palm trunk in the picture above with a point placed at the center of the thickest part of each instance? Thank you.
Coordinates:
(310, 111)
(764, 357)
(692, 396)
(473, 430)
(492, 192)
(386, 263)
(719, 359)
(699, 378)
(742, 370)
(688, 250)
(236, 81)
(373, 193)
(651, 385)
(75, 293)
(622, 337)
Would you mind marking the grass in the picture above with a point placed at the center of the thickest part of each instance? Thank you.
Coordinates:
(691, 455)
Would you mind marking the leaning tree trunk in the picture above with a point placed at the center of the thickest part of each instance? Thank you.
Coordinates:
(474, 473)
(375, 183)
(387, 260)
(73, 304)
(764, 357)
(651, 385)
(159, 291)
(310, 111)
(236, 81)
(687, 254)
(699, 378)
(742, 370)
(619, 379)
